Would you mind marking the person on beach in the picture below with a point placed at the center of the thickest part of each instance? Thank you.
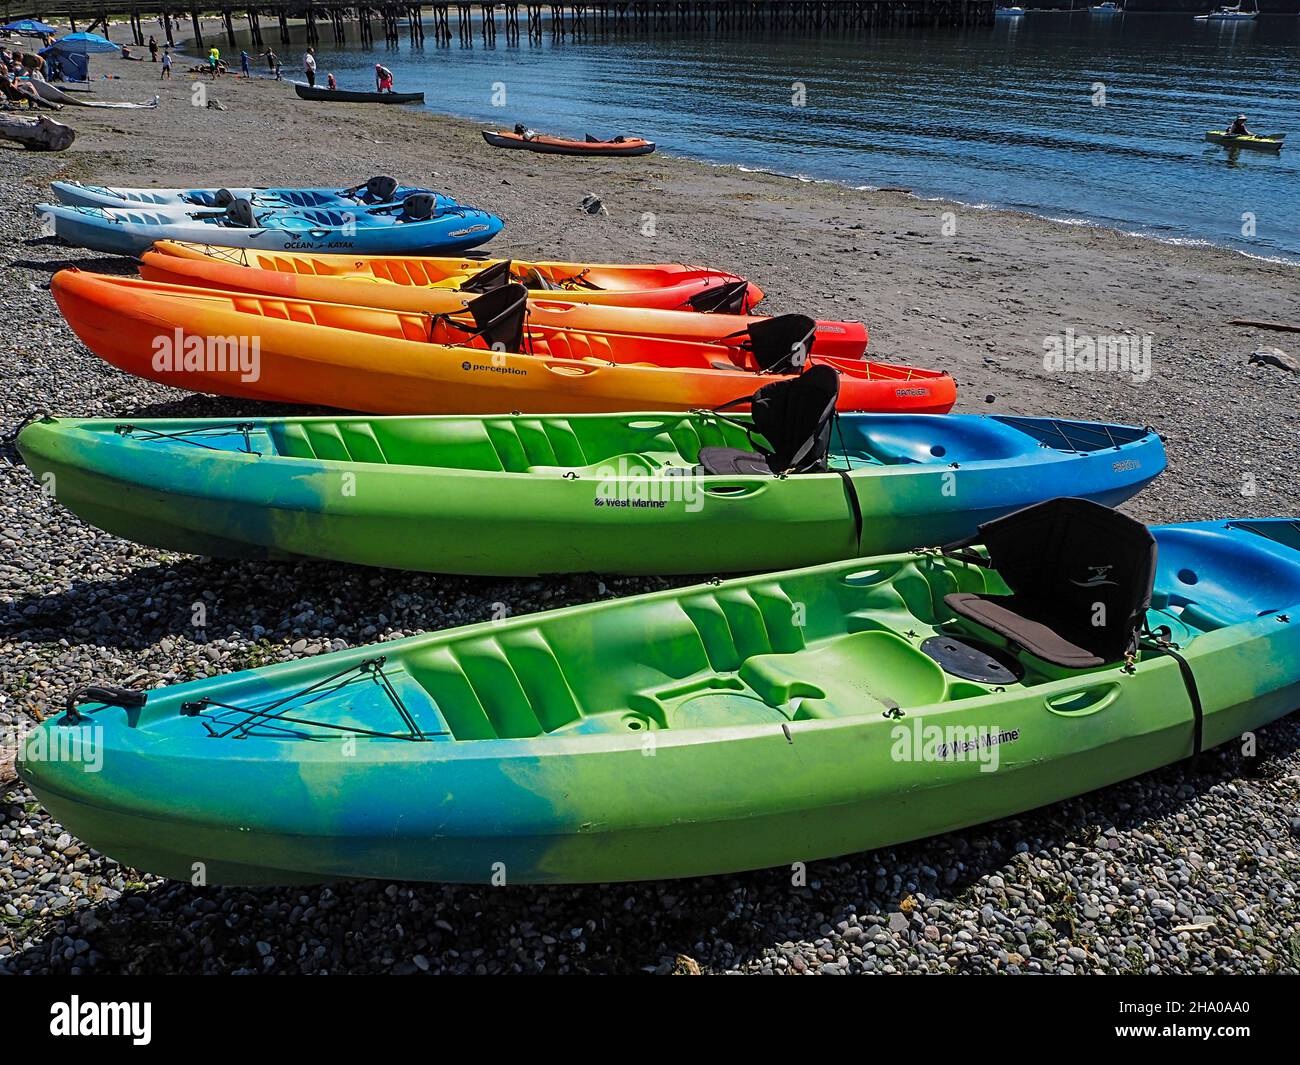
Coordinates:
(309, 66)
(166, 65)
(19, 92)
(245, 64)
(332, 83)
(383, 78)
(214, 61)
(1238, 127)
(272, 62)
(153, 48)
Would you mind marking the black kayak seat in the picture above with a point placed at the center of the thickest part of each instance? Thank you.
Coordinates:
(1080, 575)
(732, 297)
(223, 198)
(239, 213)
(488, 278)
(794, 416)
(781, 344)
(418, 207)
(379, 189)
(535, 279)
(499, 317)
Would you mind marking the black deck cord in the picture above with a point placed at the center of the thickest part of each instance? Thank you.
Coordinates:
(30, 417)
(127, 698)
(1162, 646)
(849, 488)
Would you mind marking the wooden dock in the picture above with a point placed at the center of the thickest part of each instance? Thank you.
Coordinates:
(339, 21)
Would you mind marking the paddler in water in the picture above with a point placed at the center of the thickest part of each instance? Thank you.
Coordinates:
(1238, 127)
(331, 82)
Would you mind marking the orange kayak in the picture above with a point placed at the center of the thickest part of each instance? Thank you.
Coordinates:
(667, 286)
(391, 362)
(847, 340)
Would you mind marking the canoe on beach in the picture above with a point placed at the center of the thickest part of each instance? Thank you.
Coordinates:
(561, 146)
(271, 275)
(355, 96)
(606, 493)
(747, 723)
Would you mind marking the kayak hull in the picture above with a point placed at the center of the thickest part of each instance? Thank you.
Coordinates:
(690, 732)
(354, 96)
(661, 286)
(559, 146)
(132, 231)
(847, 340)
(79, 194)
(1255, 144)
(564, 494)
(384, 362)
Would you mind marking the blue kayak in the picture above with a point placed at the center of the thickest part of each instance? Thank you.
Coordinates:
(419, 225)
(377, 190)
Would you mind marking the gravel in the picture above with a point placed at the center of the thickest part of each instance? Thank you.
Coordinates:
(1187, 870)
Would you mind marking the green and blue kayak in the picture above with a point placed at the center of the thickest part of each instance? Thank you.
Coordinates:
(524, 495)
(749, 723)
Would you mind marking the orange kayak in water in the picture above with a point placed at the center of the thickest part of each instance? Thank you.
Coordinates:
(295, 277)
(667, 286)
(391, 362)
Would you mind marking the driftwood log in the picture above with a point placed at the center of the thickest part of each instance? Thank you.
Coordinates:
(38, 134)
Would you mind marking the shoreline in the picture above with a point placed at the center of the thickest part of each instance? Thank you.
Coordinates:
(81, 607)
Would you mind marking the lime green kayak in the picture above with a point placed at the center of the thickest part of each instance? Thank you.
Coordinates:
(747, 723)
(628, 493)
(1272, 142)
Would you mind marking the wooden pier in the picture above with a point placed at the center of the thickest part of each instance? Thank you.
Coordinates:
(338, 20)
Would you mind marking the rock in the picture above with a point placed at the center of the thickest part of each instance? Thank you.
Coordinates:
(593, 204)
(1276, 358)
(685, 966)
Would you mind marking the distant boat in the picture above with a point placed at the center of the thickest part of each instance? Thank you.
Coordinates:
(351, 96)
(1229, 14)
(1107, 8)
(1008, 12)
(1266, 142)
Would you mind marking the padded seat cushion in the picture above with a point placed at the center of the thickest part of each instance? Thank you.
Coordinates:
(732, 460)
(1000, 614)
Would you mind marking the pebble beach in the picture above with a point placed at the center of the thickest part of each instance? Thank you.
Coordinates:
(1192, 869)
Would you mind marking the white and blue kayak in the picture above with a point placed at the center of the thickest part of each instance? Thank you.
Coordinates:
(377, 190)
(421, 224)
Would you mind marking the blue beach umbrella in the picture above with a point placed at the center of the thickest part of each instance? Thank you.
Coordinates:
(85, 44)
(28, 27)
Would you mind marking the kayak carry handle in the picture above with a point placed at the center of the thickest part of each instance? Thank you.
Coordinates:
(127, 698)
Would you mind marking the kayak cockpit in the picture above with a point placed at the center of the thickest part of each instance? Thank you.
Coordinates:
(871, 639)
